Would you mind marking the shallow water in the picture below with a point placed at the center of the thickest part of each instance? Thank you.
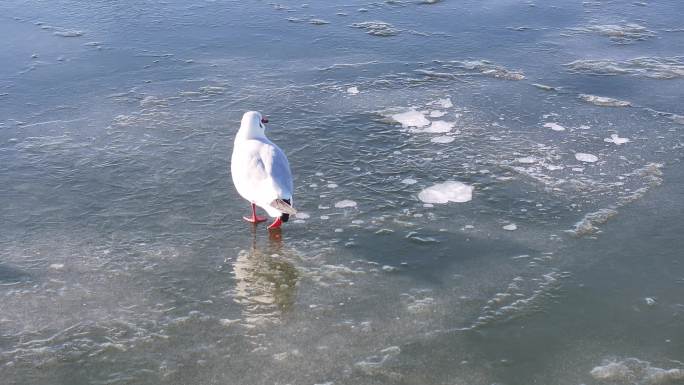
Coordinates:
(124, 259)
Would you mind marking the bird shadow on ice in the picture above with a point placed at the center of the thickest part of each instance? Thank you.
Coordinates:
(266, 280)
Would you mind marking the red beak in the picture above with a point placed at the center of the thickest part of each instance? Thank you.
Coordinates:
(264, 120)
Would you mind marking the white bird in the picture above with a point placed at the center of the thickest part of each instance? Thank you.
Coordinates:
(261, 172)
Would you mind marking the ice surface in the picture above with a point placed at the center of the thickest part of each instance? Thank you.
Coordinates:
(127, 146)
(449, 191)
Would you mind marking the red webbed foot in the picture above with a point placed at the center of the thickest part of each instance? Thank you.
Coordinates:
(276, 224)
(255, 219)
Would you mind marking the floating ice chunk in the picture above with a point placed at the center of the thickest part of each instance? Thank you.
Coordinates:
(635, 371)
(526, 160)
(438, 127)
(616, 139)
(411, 118)
(69, 33)
(228, 322)
(449, 191)
(612, 371)
(318, 21)
(621, 33)
(604, 101)
(331, 185)
(353, 90)
(510, 227)
(650, 67)
(588, 224)
(544, 87)
(409, 181)
(487, 68)
(57, 266)
(443, 139)
(650, 301)
(345, 203)
(445, 103)
(583, 157)
(377, 28)
(554, 126)
(302, 215)
(437, 114)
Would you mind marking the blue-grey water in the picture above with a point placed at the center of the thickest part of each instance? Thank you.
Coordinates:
(124, 258)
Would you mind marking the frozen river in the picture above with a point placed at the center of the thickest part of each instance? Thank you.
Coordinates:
(490, 192)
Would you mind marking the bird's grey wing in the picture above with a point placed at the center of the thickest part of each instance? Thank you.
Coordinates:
(276, 164)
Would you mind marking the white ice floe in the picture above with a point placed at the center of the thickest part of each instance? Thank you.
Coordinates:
(411, 118)
(437, 113)
(443, 139)
(345, 203)
(604, 101)
(620, 33)
(409, 181)
(449, 191)
(302, 215)
(583, 157)
(616, 139)
(377, 28)
(635, 371)
(510, 227)
(527, 160)
(590, 222)
(318, 21)
(445, 103)
(554, 126)
(353, 90)
(438, 127)
(650, 67)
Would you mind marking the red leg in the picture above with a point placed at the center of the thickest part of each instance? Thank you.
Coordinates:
(276, 224)
(255, 218)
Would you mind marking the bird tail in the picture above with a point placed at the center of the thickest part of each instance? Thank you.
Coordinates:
(284, 206)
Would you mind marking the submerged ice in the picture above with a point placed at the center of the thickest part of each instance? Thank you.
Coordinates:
(381, 268)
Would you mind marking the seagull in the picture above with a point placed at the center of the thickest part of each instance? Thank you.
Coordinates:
(261, 173)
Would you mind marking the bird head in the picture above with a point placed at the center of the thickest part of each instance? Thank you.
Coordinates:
(253, 124)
